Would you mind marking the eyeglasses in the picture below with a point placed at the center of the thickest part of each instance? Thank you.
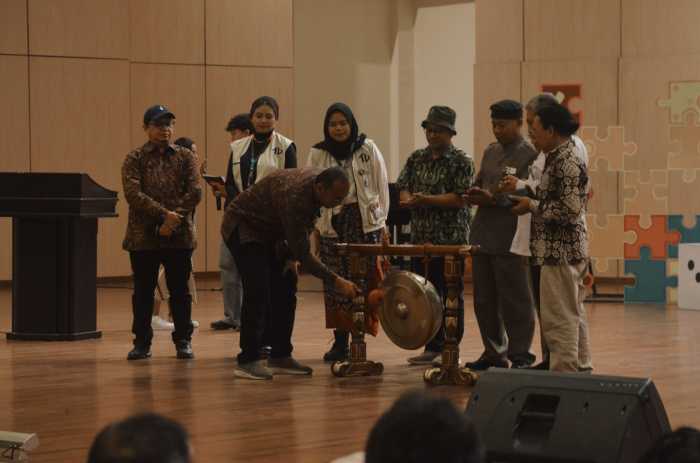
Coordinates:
(435, 130)
(167, 124)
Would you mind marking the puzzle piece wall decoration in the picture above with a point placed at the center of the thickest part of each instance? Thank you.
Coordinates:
(606, 235)
(656, 237)
(683, 189)
(650, 279)
(688, 234)
(612, 147)
(672, 271)
(683, 98)
(687, 141)
(645, 197)
(569, 95)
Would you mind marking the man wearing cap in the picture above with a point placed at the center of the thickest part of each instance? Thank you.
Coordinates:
(431, 184)
(161, 186)
(503, 301)
(238, 127)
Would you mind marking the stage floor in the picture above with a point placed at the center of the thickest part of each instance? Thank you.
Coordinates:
(67, 391)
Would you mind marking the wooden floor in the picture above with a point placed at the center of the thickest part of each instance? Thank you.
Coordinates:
(66, 392)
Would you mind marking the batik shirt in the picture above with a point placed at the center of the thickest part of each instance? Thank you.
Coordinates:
(280, 209)
(156, 182)
(558, 214)
(452, 172)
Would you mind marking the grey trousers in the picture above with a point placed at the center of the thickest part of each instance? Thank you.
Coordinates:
(231, 285)
(563, 317)
(504, 306)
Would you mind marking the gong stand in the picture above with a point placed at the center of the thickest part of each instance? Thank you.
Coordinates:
(449, 372)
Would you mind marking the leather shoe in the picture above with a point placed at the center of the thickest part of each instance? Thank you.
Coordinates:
(484, 364)
(139, 353)
(184, 350)
(540, 366)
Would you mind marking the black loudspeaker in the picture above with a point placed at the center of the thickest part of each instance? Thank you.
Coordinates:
(539, 416)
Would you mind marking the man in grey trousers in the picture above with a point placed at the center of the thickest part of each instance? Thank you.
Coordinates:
(503, 300)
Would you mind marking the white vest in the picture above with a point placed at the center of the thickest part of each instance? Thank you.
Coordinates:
(371, 186)
(269, 160)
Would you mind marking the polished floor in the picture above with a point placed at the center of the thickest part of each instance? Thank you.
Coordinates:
(67, 391)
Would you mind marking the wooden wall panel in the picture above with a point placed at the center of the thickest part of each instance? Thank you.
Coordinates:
(230, 91)
(643, 82)
(598, 80)
(181, 89)
(80, 123)
(492, 82)
(167, 31)
(250, 32)
(14, 139)
(571, 29)
(86, 28)
(13, 24)
(655, 28)
(499, 31)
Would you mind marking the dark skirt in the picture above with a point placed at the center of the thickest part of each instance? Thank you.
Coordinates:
(348, 225)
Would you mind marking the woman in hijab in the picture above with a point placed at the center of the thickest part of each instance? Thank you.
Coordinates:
(360, 219)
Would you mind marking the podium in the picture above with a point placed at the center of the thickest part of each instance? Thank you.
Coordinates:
(54, 253)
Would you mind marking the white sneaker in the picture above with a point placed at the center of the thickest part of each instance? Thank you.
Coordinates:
(159, 324)
(195, 324)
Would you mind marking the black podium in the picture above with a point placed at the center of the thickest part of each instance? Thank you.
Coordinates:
(54, 246)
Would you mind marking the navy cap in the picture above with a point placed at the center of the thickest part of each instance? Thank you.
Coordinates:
(506, 109)
(156, 112)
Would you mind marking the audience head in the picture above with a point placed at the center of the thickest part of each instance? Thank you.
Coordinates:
(159, 124)
(553, 124)
(679, 446)
(339, 124)
(187, 143)
(240, 126)
(506, 121)
(420, 428)
(533, 105)
(331, 186)
(264, 113)
(147, 438)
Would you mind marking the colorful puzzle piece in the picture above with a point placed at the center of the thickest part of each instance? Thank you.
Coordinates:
(684, 97)
(613, 148)
(687, 140)
(657, 237)
(688, 235)
(644, 198)
(606, 234)
(650, 279)
(568, 95)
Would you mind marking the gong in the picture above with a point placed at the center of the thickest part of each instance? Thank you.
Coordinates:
(411, 311)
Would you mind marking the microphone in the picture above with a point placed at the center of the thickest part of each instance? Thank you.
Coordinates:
(218, 201)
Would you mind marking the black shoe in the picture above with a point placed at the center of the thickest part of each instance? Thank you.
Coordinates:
(265, 352)
(139, 353)
(184, 350)
(224, 324)
(540, 366)
(337, 354)
(484, 364)
(519, 364)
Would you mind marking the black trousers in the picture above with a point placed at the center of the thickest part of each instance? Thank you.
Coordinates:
(436, 275)
(178, 266)
(269, 300)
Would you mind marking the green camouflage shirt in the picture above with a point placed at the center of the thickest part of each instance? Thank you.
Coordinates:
(452, 172)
